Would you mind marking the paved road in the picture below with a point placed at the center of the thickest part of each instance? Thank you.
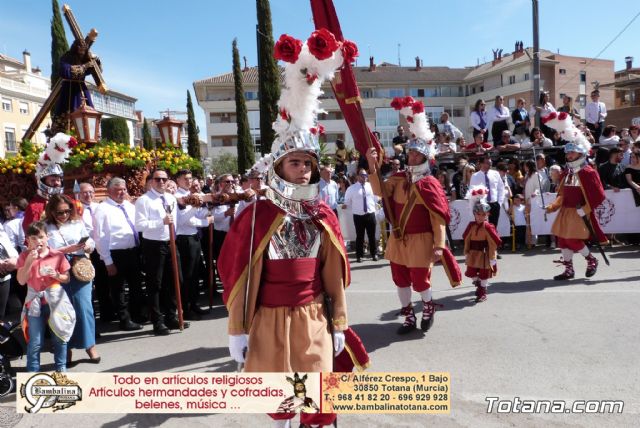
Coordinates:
(534, 339)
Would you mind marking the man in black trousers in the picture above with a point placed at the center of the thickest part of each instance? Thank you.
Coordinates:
(360, 198)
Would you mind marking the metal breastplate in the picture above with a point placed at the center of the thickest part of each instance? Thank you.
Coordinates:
(418, 172)
(296, 238)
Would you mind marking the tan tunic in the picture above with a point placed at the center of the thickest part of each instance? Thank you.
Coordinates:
(292, 339)
(413, 249)
(479, 258)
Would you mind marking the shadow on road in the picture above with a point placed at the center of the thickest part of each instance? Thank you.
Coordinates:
(377, 336)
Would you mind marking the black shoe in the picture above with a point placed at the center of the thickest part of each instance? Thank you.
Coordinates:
(198, 310)
(374, 258)
(173, 324)
(426, 324)
(139, 319)
(160, 330)
(499, 257)
(359, 260)
(191, 316)
(129, 326)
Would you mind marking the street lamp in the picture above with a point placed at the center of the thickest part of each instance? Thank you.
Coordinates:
(170, 130)
(86, 121)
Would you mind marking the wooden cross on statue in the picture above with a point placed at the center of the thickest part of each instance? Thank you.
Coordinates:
(90, 62)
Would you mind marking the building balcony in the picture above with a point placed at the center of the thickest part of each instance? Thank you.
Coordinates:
(23, 88)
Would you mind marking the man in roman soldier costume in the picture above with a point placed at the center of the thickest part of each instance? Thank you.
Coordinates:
(283, 265)
(579, 194)
(422, 213)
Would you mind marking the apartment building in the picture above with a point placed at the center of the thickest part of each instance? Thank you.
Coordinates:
(23, 90)
(441, 88)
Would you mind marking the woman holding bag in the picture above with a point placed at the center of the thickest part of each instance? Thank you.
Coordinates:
(67, 233)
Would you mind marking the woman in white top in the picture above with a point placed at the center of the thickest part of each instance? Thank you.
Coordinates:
(67, 233)
(479, 120)
(545, 108)
(531, 191)
(499, 118)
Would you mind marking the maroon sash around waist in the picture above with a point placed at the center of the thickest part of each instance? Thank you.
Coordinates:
(572, 196)
(290, 282)
(478, 245)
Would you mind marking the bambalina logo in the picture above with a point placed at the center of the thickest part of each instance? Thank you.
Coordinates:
(43, 391)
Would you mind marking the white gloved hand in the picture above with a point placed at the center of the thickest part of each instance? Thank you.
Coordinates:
(581, 212)
(493, 262)
(338, 342)
(238, 344)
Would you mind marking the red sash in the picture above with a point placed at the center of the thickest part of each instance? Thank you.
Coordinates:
(290, 282)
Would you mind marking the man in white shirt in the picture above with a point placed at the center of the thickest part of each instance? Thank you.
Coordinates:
(360, 199)
(188, 243)
(498, 117)
(595, 115)
(447, 127)
(491, 179)
(328, 188)
(117, 246)
(543, 172)
(223, 215)
(155, 214)
(107, 306)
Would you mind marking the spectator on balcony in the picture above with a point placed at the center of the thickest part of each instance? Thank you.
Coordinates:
(479, 120)
(520, 119)
(445, 126)
(499, 117)
(537, 141)
(479, 145)
(595, 115)
(567, 107)
(545, 108)
(507, 143)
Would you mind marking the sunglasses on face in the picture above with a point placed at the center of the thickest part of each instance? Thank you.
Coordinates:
(63, 212)
(229, 181)
(160, 179)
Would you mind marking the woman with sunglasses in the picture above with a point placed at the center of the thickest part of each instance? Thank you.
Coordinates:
(479, 120)
(67, 233)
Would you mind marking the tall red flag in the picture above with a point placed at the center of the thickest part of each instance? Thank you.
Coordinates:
(344, 84)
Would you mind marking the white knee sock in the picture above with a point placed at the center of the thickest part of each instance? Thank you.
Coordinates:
(567, 254)
(426, 294)
(404, 294)
(484, 283)
(585, 251)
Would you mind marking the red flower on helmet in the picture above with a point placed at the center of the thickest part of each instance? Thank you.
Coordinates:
(397, 103)
(563, 115)
(72, 142)
(410, 119)
(417, 107)
(322, 44)
(287, 48)
(549, 117)
(349, 51)
(284, 114)
(407, 101)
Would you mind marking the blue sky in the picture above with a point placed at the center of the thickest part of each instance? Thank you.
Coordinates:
(154, 50)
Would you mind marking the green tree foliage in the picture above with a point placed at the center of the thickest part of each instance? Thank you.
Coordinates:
(268, 76)
(246, 155)
(226, 163)
(147, 140)
(115, 129)
(193, 140)
(59, 43)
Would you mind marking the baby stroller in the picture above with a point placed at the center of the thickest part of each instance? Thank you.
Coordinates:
(11, 346)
